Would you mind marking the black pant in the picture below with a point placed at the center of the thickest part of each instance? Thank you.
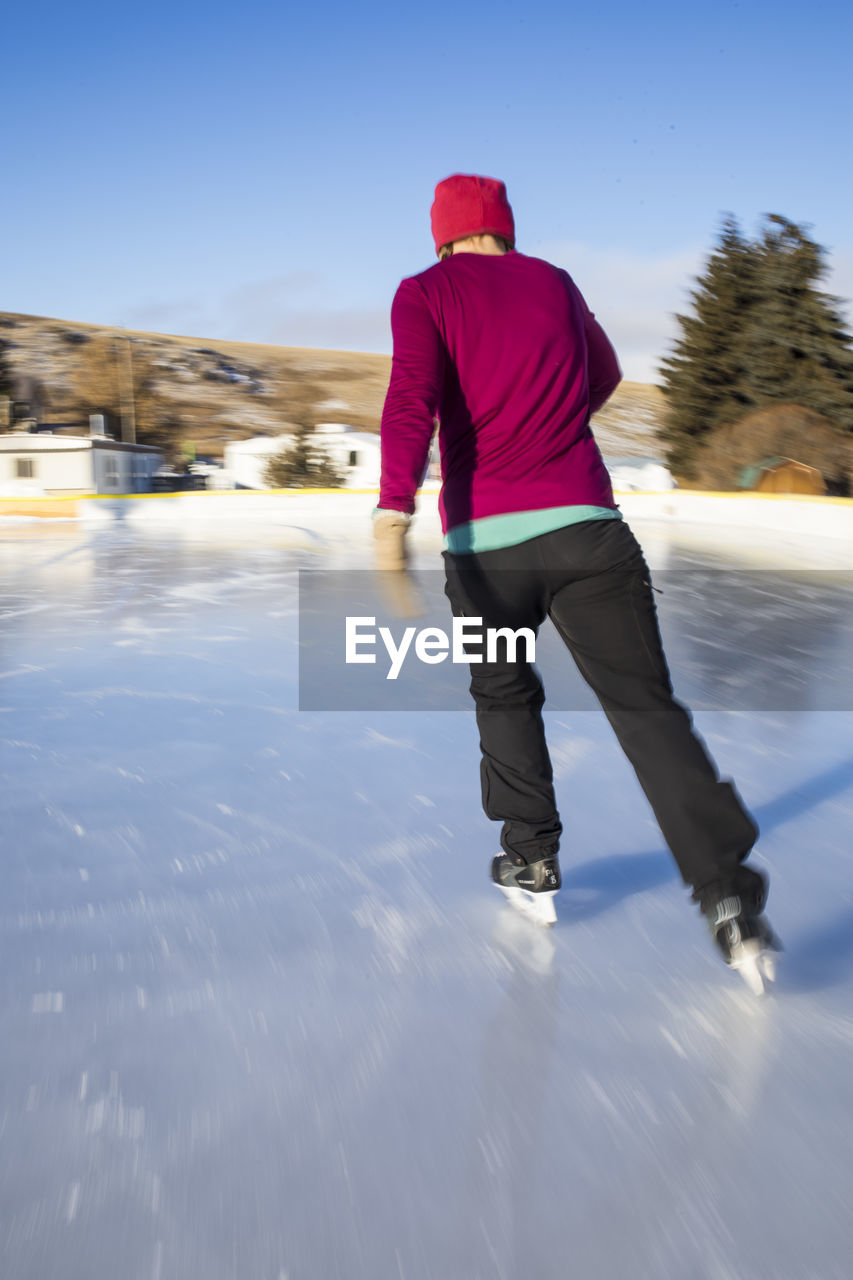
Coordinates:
(592, 581)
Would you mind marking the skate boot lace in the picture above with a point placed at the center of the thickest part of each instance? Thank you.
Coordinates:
(727, 922)
(727, 909)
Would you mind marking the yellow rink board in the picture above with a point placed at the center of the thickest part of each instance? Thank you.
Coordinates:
(51, 508)
(58, 507)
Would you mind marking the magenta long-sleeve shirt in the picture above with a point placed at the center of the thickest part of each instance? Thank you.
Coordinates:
(505, 352)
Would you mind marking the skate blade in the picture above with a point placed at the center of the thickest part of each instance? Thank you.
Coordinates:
(755, 964)
(538, 907)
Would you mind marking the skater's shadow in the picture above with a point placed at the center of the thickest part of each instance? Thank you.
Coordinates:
(596, 886)
(805, 796)
(821, 958)
(824, 957)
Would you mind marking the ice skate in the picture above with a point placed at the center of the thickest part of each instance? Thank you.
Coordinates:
(746, 940)
(529, 887)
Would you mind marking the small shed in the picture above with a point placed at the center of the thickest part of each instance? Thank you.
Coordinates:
(781, 475)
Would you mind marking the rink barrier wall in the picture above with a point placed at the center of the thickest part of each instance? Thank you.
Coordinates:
(50, 508)
(786, 513)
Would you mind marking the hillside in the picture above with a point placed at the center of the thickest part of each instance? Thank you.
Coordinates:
(628, 425)
(194, 390)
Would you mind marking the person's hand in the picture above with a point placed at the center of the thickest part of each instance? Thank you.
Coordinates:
(392, 560)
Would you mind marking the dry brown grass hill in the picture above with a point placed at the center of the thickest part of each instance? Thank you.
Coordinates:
(208, 392)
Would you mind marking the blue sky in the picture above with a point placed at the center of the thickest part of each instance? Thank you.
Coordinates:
(264, 172)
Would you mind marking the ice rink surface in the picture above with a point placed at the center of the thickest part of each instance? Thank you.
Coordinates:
(263, 1015)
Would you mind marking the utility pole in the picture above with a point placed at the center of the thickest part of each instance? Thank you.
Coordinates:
(124, 358)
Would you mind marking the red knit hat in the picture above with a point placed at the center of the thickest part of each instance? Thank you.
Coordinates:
(468, 205)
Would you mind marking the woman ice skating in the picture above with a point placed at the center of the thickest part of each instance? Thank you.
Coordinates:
(504, 351)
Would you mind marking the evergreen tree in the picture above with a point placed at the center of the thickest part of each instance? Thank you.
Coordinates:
(304, 464)
(704, 377)
(795, 346)
(760, 333)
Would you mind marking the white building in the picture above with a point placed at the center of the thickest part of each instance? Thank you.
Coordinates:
(356, 454)
(40, 463)
(246, 460)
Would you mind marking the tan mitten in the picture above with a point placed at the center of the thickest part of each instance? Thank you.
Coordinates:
(391, 554)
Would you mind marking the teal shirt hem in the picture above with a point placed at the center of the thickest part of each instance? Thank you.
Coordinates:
(491, 533)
